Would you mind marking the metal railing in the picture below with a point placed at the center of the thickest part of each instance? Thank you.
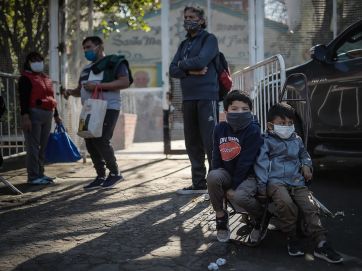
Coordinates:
(263, 81)
(11, 135)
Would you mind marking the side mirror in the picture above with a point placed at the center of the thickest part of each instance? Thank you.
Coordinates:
(319, 52)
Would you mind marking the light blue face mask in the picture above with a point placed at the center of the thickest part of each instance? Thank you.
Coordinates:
(90, 55)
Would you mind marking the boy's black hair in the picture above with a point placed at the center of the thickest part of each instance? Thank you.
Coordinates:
(237, 95)
(94, 39)
(282, 110)
(200, 13)
(32, 57)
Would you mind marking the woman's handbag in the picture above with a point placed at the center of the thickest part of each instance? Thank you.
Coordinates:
(60, 147)
(92, 116)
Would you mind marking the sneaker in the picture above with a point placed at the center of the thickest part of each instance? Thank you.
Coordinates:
(50, 179)
(295, 248)
(192, 190)
(112, 180)
(40, 181)
(328, 254)
(97, 182)
(222, 227)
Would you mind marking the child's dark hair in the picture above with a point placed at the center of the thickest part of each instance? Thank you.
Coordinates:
(200, 13)
(282, 110)
(237, 95)
(32, 57)
(94, 39)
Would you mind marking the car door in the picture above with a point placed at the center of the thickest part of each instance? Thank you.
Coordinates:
(336, 89)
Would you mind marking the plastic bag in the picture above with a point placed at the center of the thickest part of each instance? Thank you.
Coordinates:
(60, 147)
(92, 116)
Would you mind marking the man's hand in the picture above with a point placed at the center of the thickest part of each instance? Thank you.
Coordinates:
(307, 173)
(26, 123)
(90, 86)
(66, 93)
(198, 72)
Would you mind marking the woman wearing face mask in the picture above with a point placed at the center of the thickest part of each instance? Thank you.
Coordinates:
(193, 65)
(38, 106)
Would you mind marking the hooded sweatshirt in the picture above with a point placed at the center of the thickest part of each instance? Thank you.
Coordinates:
(196, 54)
(236, 152)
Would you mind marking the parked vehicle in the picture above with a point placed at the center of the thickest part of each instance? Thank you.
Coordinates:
(334, 79)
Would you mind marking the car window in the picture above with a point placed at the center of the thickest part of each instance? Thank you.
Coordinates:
(351, 47)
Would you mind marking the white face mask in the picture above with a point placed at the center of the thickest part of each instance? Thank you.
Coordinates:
(37, 66)
(284, 131)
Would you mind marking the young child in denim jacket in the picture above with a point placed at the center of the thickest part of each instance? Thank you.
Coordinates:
(282, 169)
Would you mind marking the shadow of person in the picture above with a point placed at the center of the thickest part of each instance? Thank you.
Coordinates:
(151, 233)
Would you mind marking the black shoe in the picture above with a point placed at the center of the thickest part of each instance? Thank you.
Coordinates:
(192, 190)
(328, 254)
(222, 227)
(295, 248)
(258, 234)
(95, 184)
(112, 180)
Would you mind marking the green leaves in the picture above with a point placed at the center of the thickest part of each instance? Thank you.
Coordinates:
(130, 12)
(23, 28)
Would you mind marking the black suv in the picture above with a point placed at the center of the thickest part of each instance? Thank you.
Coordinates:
(334, 78)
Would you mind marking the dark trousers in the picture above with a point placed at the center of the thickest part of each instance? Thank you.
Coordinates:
(100, 149)
(36, 141)
(200, 118)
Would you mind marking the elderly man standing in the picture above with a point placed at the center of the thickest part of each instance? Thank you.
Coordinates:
(193, 65)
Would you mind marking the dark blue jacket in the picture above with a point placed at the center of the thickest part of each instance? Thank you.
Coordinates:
(236, 152)
(197, 87)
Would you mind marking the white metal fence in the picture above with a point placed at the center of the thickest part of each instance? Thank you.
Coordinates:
(11, 135)
(263, 81)
(12, 142)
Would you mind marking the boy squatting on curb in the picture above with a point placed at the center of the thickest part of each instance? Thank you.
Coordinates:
(236, 146)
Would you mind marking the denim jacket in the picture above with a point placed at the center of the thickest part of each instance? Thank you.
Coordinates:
(280, 161)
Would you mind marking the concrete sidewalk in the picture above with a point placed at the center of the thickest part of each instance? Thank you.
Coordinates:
(142, 224)
(138, 225)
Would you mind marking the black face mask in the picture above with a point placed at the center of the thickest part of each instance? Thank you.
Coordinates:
(191, 25)
(239, 120)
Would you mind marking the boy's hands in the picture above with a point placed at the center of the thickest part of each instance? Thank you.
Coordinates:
(262, 190)
(230, 193)
(307, 173)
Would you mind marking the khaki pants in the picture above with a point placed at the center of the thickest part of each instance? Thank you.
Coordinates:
(219, 181)
(291, 200)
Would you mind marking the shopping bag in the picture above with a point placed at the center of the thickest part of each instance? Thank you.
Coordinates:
(92, 116)
(60, 147)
